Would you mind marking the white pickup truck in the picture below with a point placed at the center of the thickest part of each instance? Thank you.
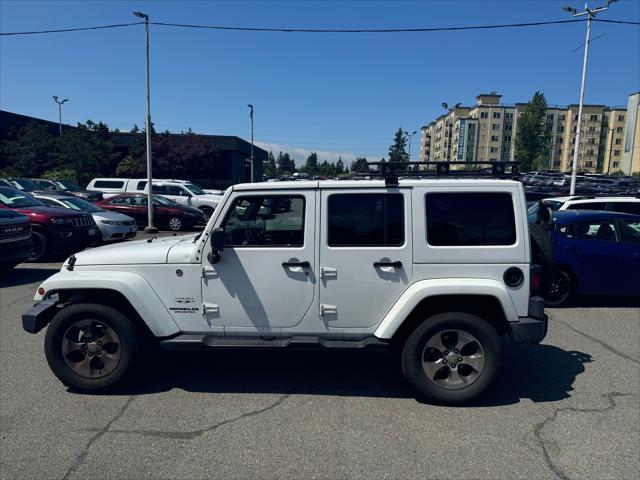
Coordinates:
(440, 268)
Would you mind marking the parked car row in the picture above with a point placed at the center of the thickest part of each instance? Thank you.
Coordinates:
(546, 184)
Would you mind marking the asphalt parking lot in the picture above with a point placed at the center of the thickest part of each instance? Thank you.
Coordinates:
(566, 409)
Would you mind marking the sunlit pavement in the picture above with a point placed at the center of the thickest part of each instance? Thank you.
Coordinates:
(566, 409)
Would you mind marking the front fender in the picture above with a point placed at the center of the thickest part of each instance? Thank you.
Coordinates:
(131, 285)
(417, 292)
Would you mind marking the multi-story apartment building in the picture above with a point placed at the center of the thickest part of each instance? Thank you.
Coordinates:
(486, 132)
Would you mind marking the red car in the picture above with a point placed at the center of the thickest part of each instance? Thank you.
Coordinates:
(53, 230)
(166, 214)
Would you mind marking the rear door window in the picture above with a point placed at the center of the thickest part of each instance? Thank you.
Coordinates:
(588, 206)
(470, 219)
(625, 207)
(366, 220)
(108, 184)
(602, 230)
(630, 231)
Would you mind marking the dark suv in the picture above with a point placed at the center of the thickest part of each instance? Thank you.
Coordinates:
(15, 239)
(52, 229)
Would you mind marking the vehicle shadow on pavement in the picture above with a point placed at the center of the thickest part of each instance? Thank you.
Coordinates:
(24, 276)
(541, 373)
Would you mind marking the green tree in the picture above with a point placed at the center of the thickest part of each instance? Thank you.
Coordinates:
(30, 153)
(286, 164)
(532, 140)
(311, 165)
(359, 165)
(270, 168)
(339, 166)
(397, 152)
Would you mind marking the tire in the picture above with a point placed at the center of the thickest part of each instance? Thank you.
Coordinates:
(208, 211)
(442, 378)
(542, 254)
(89, 365)
(175, 224)
(40, 247)
(561, 290)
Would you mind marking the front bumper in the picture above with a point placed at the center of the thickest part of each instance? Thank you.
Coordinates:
(15, 252)
(117, 232)
(75, 239)
(532, 329)
(39, 316)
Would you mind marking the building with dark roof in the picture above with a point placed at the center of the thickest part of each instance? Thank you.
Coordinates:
(232, 153)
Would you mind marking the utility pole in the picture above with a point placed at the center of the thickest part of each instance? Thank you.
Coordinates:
(251, 157)
(55, 99)
(150, 228)
(590, 13)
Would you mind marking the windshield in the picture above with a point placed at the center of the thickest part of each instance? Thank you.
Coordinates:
(164, 201)
(79, 204)
(196, 190)
(67, 185)
(25, 184)
(13, 198)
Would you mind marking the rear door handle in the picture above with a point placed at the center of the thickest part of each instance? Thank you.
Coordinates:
(387, 264)
(297, 267)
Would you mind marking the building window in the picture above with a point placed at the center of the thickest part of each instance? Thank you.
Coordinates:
(615, 164)
(573, 150)
(575, 117)
(508, 116)
(593, 118)
(549, 117)
(592, 129)
(618, 141)
(573, 141)
(558, 139)
(621, 118)
(619, 129)
(495, 126)
(508, 127)
(592, 141)
(616, 153)
(507, 138)
(484, 114)
(562, 118)
(496, 114)
(495, 138)
(589, 152)
(560, 129)
(494, 150)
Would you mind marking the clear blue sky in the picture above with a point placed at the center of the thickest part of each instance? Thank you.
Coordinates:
(335, 93)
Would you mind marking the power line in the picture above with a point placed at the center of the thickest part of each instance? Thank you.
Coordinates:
(364, 30)
(321, 30)
(79, 29)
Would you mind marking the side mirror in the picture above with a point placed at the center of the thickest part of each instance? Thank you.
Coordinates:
(217, 239)
(544, 215)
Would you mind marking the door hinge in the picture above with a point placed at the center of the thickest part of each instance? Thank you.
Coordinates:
(328, 309)
(210, 308)
(209, 272)
(328, 272)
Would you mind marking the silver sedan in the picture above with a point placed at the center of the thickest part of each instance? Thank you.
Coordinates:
(113, 226)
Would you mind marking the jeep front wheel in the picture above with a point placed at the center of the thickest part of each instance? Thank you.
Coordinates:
(451, 358)
(90, 347)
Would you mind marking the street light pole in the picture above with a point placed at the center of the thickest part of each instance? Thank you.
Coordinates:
(590, 13)
(251, 157)
(150, 228)
(55, 99)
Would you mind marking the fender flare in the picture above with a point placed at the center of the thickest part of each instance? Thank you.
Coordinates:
(418, 291)
(132, 286)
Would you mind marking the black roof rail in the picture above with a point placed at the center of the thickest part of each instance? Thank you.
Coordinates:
(391, 170)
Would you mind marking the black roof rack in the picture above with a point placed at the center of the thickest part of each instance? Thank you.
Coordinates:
(390, 171)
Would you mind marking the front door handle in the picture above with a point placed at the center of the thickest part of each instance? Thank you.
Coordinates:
(387, 264)
(297, 267)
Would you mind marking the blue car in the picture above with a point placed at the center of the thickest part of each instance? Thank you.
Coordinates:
(596, 253)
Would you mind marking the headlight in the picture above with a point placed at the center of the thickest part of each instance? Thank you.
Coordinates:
(113, 222)
(60, 221)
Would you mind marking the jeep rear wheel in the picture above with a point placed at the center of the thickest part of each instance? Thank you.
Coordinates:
(451, 358)
(39, 247)
(91, 347)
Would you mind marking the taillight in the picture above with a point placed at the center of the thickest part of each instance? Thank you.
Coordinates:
(536, 279)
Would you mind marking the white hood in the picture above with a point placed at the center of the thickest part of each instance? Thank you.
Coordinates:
(132, 253)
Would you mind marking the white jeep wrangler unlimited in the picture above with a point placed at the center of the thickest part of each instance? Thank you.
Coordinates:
(439, 267)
